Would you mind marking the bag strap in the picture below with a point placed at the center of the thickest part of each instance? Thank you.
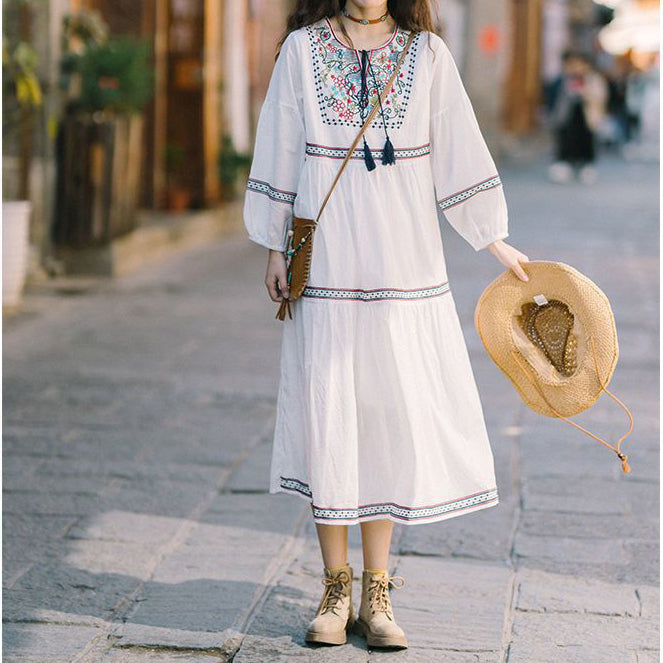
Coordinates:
(369, 119)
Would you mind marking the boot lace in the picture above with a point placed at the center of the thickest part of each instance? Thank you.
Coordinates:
(334, 591)
(378, 592)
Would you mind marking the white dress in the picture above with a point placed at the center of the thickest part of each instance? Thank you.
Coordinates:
(378, 414)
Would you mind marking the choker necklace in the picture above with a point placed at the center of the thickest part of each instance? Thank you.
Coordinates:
(365, 21)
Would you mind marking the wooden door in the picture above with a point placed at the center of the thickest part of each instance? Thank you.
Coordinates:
(523, 89)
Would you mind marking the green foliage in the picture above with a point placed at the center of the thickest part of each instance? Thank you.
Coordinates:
(19, 74)
(80, 31)
(175, 156)
(115, 76)
(21, 89)
(231, 162)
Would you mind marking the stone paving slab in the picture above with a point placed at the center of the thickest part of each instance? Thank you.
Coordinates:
(50, 527)
(568, 495)
(652, 656)
(543, 592)
(148, 636)
(53, 587)
(641, 525)
(146, 655)
(551, 653)
(126, 527)
(650, 601)
(282, 649)
(63, 485)
(621, 634)
(136, 469)
(45, 643)
(446, 612)
(252, 475)
(480, 535)
(202, 592)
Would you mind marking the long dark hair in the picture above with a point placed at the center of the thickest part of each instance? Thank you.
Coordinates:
(408, 14)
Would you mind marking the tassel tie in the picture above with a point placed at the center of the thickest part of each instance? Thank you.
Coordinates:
(363, 106)
(388, 156)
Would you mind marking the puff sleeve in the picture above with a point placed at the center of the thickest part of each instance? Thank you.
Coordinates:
(468, 187)
(278, 153)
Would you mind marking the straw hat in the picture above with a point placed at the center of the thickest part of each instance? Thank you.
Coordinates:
(554, 336)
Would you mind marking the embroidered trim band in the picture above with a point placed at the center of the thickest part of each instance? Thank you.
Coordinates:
(461, 196)
(376, 294)
(390, 508)
(279, 195)
(314, 150)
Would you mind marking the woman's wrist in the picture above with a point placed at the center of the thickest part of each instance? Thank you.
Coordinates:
(493, 245)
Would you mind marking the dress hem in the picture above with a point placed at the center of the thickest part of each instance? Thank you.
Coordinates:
(421, 520)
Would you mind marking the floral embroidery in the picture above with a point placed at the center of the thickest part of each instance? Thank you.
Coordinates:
(337, 73)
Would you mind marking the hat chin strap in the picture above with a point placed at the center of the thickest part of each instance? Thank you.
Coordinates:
(622, 456)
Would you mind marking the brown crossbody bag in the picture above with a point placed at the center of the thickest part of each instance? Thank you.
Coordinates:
(299, 248)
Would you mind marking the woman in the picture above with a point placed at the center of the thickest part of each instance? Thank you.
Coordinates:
(378, 417)
(578, 110)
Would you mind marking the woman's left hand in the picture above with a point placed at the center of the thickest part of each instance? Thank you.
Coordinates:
(510, 257)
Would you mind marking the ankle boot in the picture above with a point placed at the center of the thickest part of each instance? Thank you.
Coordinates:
(335, 613)
(376, 618)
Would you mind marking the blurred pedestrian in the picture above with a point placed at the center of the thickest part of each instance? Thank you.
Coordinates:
(578, 107)
(613, 131)
(378, 418)
(643, 102)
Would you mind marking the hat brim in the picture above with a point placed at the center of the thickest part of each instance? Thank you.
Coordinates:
(540, 385)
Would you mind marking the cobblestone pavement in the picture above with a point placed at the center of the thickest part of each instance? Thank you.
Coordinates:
(137, 425)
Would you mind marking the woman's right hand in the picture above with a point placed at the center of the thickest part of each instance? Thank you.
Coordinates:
(276, 278)
(510, 257)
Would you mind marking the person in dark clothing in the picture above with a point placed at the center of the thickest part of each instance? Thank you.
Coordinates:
(577, 104)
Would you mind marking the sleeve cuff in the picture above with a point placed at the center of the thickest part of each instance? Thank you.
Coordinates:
(485, 244)
(267, 244)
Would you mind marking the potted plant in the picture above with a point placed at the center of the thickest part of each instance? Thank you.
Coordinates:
(179, 196)
(108, 82)
(21, 100)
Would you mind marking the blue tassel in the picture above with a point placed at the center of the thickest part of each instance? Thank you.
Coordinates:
(388, 156)
(368, 157)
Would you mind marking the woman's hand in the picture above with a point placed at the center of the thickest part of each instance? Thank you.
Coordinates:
(510, 257)
(276, 279)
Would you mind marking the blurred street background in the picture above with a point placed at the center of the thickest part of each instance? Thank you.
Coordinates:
(141, 351)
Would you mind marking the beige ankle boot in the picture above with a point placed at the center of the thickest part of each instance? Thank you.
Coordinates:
(335, 612)
(376, 618)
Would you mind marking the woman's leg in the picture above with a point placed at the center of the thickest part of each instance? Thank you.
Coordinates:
(333, 544)
(376, 618)
(335, 613)
(376, 541)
